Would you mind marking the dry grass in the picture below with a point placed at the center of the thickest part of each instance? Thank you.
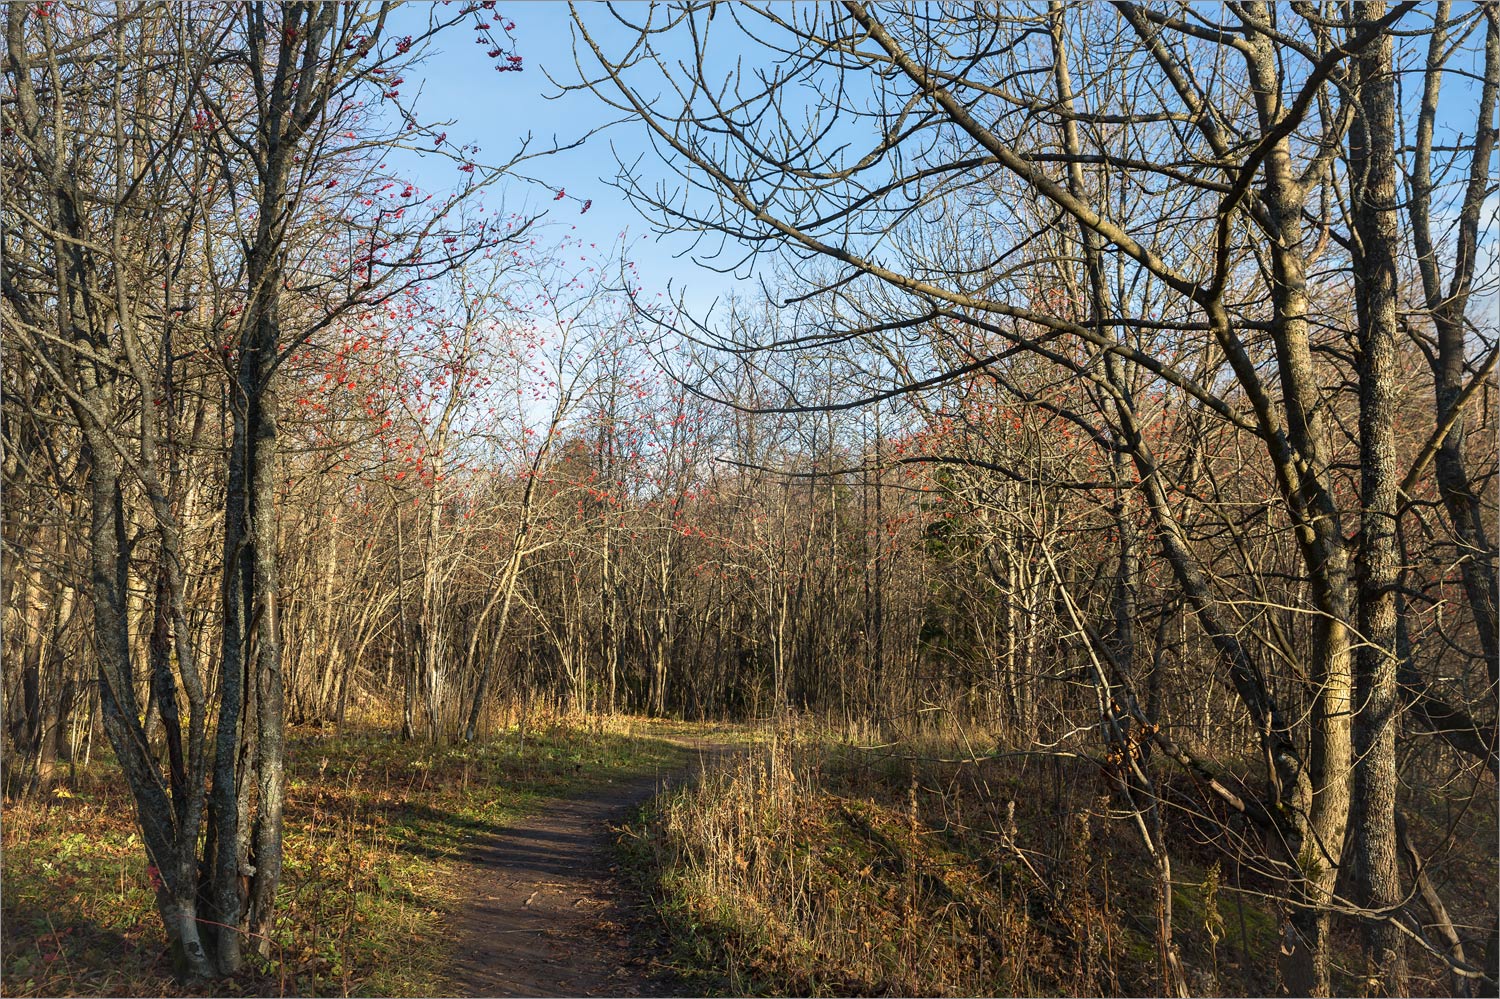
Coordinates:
(793, 872)
(818, 868)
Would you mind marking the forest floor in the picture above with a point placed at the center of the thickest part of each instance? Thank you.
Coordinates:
(400, 858)
(543, 861)
(550, 913)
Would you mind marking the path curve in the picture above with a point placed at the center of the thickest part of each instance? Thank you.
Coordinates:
(548, 913)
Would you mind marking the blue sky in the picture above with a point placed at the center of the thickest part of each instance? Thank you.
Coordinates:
(498, 110)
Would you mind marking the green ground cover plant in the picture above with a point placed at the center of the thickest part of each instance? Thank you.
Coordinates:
(374, 827)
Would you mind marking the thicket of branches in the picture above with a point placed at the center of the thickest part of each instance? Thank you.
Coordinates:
(1126, 387)
(1231, 262)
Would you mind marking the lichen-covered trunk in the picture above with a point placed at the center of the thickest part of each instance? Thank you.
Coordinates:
(1307, 489)
(121, 713)
(223, 801)
(1372, 177)
(270, 745)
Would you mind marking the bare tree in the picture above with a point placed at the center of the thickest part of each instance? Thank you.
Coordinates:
(174, 175)
(1205, 196)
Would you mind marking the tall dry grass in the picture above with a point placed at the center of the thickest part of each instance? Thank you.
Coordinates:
(796, 871)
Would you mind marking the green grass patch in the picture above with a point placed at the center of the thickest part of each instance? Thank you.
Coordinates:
(373, 830)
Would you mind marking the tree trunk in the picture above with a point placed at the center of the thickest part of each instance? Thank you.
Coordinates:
(1372, 175)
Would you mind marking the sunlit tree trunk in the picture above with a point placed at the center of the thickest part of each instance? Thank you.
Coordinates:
(1373, 197)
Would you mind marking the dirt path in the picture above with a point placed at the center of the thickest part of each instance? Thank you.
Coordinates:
(549, 913)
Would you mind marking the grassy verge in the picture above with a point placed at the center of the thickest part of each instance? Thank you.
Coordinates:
(373, 827)
(814, 868)
(806, 871)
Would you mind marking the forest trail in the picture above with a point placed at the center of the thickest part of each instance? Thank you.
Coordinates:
(549, 913)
